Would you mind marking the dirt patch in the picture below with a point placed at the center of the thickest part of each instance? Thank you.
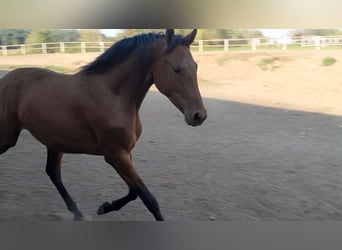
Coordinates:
(289, 79)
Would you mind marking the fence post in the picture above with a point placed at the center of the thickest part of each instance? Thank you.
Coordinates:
(254, 44)
(200, 45)
(302, 42)
(101, 44)
(44, 50)
(284, 46)
(83, 47)
(4, 50)
(317, 43)
(226, 45)
(23, 49)
(62, 47)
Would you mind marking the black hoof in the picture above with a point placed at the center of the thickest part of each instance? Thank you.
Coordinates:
(104, 208)
(78, 218)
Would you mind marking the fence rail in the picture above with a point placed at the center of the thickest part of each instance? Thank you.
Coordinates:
(61, 47)
(199, 45)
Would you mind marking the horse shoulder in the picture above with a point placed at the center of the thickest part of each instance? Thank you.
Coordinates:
(113, 127)
(116, 138)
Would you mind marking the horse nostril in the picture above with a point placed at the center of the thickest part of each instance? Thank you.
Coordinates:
(198, 117)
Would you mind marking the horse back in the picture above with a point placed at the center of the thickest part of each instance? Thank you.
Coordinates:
(21, 80)
(26, 88)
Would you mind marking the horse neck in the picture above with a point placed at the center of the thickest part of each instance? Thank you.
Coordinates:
(130, 81)
(133, 78)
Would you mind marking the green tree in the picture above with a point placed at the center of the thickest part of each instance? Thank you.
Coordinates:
(316, 32)
(251, 34)
(202, 34)
(39, 36)
(13, 36)
(90, 35)
(64, 35)
(50, 35)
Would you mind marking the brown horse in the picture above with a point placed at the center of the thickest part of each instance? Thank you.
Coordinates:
(96, 111)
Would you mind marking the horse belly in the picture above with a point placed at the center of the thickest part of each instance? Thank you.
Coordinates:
(67, 140)
(61, 130)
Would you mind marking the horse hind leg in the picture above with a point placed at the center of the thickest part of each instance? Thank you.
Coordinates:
(4, 148)
(9, 134)
(53, 170)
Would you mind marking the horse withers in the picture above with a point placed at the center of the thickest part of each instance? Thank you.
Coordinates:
(96, 111)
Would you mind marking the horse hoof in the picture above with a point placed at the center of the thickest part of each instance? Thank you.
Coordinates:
(104, 208)
(79, 218)
(83, 218)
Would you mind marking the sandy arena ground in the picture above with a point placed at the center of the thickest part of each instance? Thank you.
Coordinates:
(270, 149)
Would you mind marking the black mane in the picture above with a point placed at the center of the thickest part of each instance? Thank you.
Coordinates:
(123, 48)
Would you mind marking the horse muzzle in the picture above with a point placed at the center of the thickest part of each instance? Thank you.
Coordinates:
(196, 118)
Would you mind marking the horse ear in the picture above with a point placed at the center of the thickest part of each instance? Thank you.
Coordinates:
(169, 35)
(191, 37)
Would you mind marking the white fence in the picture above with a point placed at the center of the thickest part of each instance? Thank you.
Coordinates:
(62, 47)
(199, 45)
(316, 42)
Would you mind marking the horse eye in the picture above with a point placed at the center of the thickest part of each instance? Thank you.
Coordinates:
(177, 70)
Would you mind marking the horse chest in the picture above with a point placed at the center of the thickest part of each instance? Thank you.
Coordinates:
(124, 132)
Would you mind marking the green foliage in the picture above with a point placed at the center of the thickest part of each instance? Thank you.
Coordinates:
(49, 36)
(90, 35)
(316, 32)
(327, 61)
(132, 32)
(13, 36)
(202, 34)
(208, 34)
(39, 36)
(64, 35)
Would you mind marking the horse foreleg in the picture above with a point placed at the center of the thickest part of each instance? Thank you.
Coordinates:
(53, 169)
(122, 163)
(117, 204)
